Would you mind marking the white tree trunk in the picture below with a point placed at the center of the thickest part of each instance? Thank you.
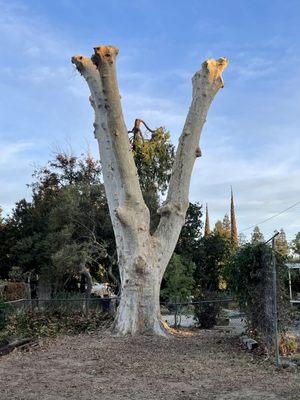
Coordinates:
(139, 309)
(142, 257)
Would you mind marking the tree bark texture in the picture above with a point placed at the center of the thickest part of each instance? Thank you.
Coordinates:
(142, 257)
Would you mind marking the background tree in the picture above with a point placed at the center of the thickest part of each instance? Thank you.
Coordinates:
(218, 229)
(178, 279)
(153, 159)
(226, 227)
(222, 228)
(3, 247)
(142, 256)
(242, 239)
(281, 243)
(296, 245)
(212, 254)
(257, 236)
(190, 234)
(249, 276)
(66, 221)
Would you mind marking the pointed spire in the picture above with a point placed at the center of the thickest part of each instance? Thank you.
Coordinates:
(207, 227)
(234, 232)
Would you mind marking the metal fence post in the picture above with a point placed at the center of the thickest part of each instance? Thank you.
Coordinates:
(274, 295)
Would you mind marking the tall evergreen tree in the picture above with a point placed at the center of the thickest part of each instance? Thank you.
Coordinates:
(233, 224)
(207, 225)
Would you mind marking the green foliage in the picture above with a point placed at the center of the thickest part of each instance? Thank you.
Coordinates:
(66, 223)
(249, 275)
(16, 274)
(212, 254)
(178, 279)
(281, 244)
(296, 244)
(222, 228)
(154, 160)
(257, 236)
(186, 252)
(37, 324)
(190, 235)
(206, 313)
(226, 227)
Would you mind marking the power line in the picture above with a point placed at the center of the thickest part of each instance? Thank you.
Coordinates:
(273, 216)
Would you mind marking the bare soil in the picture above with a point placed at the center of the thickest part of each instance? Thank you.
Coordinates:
(189, 365)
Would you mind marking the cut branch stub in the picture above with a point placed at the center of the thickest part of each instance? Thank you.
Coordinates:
(105, 55)
(83, 64)
(211, 72)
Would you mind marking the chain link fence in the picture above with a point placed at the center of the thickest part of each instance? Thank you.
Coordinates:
(206, 314)
(224, 314)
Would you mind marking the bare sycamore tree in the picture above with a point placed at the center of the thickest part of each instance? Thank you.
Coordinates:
(142, 257)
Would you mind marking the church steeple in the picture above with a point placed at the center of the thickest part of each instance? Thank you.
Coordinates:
(233, 225)
(207, 226)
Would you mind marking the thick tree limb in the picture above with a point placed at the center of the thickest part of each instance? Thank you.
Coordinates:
(104, 59)
(111, 174)
(130, 216)
(100, 74)
(206, 84)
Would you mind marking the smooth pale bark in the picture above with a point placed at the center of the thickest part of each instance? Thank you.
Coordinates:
(142, 257)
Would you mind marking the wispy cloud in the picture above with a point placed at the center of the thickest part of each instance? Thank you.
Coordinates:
(11, 152)
(251, 138)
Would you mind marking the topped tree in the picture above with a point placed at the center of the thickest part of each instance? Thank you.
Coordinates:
(233, 225)
(142, 256)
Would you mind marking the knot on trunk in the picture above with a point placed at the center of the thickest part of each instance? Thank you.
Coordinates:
(140, 265)
(198, 152)
(173, 208)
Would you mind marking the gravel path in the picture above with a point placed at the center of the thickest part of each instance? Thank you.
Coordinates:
(201, 365)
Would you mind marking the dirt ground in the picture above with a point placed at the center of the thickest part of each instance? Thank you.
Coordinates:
(200, 365)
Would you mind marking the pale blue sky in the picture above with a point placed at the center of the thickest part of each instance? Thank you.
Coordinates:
(251, 138)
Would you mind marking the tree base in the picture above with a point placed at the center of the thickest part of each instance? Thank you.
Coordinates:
(133, 323)
(123, 329)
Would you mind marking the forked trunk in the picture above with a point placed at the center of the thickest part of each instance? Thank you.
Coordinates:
(142, 257)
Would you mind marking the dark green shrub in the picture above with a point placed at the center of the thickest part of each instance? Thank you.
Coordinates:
(206, 313)
(249, 276)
